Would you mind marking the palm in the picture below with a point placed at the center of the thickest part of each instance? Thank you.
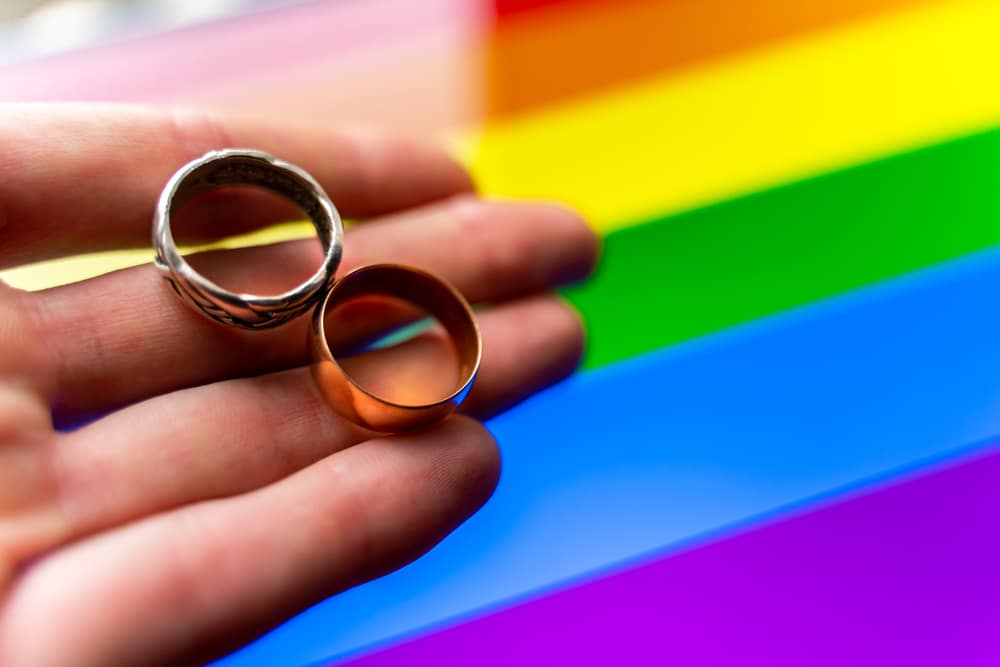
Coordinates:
(217, 494)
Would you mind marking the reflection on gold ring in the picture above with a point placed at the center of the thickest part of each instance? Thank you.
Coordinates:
(419, 288)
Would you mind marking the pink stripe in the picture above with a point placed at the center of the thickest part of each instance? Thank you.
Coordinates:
(166, 66)
(907, 575)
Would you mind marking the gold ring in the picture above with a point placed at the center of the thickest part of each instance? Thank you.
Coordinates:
(418, 288)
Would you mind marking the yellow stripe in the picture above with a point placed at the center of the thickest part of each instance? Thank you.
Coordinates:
(757, 120)
(765, 118)
(70, 269)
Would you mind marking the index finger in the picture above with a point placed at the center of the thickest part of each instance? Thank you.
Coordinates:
(81, 178)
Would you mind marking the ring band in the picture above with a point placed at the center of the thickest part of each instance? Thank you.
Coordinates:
(246, 167)
(421, 289)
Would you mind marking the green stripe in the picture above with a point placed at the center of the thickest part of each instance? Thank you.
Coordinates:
(683, 276)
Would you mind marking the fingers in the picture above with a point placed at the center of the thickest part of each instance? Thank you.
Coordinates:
(125, 336)
(232, 568)
(79, 178)
(22, 356)
(231, 437)
(529, 345)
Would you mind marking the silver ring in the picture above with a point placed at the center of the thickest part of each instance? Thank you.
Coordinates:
(237, 166)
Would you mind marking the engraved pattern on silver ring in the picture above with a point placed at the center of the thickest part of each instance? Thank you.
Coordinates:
(236, 166)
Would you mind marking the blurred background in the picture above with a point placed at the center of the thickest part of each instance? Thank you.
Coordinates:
(780, 446)
(32, 28)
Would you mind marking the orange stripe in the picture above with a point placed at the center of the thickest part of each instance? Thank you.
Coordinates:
(562, 51)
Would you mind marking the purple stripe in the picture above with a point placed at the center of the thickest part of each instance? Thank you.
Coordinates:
(906, 575)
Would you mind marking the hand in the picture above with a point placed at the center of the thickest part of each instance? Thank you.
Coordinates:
(210, 493)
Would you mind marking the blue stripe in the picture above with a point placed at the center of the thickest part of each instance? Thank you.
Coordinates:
(656, 450)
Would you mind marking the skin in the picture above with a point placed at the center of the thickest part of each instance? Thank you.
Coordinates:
(210, 493)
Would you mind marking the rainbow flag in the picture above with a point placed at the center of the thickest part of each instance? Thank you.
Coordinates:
(782, 445)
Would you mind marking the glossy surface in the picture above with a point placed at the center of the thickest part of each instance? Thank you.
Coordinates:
(901, 575)
(694, 443)
(415, 287)
(778, 184)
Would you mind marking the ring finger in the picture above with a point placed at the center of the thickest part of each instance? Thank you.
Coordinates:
(124, 337)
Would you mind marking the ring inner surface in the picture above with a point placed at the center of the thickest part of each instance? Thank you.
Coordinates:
(249, 171)
(376, 295)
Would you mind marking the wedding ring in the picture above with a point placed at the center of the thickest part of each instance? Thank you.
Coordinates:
(421, 289)
(246, 167)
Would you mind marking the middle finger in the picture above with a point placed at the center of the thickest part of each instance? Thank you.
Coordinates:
(123, 337)
(230, 437)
